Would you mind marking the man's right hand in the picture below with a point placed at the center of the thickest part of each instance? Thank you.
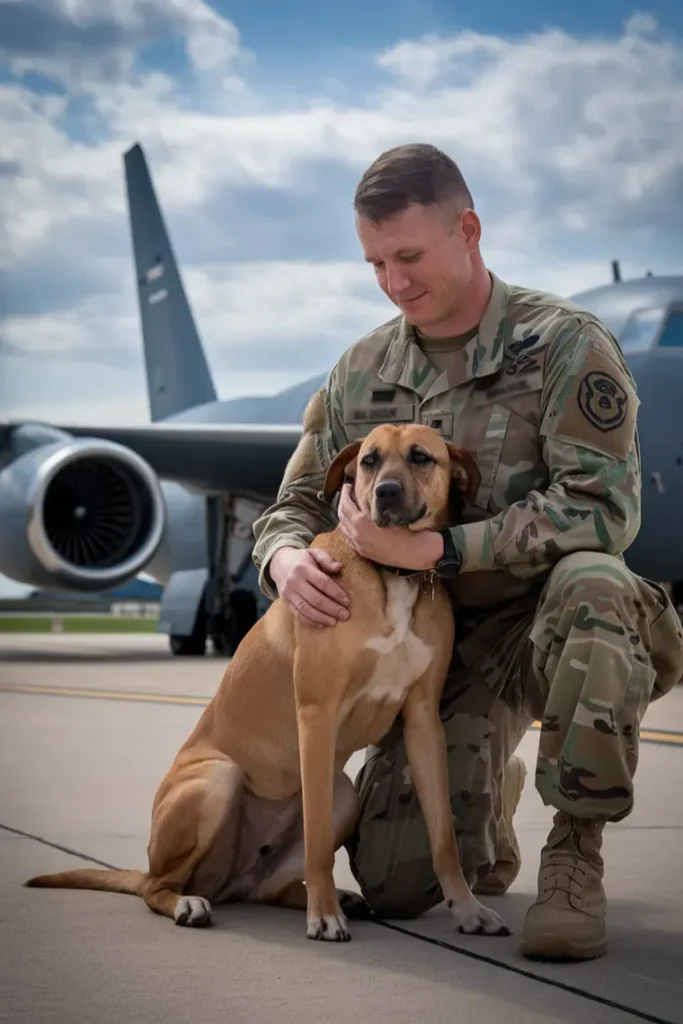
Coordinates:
(302, 580)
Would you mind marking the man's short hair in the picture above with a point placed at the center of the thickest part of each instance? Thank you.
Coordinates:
(414, 173)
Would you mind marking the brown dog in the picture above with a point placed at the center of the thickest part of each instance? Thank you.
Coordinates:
(257, 801)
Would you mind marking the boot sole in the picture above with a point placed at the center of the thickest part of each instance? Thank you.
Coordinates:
(552, 948)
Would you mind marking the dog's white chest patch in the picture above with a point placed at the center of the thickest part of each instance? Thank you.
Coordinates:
(403, 656)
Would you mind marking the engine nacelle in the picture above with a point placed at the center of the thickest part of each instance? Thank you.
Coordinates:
(79, 514)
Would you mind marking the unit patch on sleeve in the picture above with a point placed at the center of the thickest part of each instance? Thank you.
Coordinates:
(598, 408)
(602, 400)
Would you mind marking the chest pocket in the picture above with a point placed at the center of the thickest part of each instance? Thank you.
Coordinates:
(510, 460)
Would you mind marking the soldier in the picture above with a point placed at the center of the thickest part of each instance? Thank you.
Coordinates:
(550, 623)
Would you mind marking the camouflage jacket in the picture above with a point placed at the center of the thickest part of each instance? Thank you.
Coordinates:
(542, 397)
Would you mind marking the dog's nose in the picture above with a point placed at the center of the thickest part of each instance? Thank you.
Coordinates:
(388, 491)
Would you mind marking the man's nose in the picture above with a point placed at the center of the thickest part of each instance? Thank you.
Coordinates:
(388, 492)
(398, 281)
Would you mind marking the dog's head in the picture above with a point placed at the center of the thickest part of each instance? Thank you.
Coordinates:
(406, 476)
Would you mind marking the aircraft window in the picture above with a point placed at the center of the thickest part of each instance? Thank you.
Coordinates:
(640, 329)
(672, 335)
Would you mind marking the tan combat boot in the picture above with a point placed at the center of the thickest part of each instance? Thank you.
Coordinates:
(567, 921)
(509, 859)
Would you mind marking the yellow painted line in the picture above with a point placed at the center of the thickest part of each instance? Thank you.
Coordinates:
(660, 736)
(77, 691)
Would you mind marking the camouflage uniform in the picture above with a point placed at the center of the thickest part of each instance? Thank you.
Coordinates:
(550, 623)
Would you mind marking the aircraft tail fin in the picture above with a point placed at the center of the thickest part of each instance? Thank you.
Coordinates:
(178, 375)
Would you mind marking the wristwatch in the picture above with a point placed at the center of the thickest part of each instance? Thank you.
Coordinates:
(451, 561)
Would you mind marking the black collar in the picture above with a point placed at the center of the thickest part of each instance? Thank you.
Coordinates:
(427, 577)
(394, 570)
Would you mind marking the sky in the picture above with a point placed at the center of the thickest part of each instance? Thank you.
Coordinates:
(257, 121)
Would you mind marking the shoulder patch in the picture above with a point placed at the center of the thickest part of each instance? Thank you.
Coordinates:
(598, 408)
(602, 400)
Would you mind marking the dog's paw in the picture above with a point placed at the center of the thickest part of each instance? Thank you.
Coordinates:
(194, 911)
(328, 928)
(472, 918)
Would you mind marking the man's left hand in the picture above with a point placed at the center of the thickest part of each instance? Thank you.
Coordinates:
(387, 545)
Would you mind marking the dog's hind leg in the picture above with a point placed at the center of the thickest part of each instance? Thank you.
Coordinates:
(193, 841)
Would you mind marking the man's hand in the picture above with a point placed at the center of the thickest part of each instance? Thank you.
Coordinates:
(387, 545)
(301, 578)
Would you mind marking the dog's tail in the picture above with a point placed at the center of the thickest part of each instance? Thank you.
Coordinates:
(106, 880)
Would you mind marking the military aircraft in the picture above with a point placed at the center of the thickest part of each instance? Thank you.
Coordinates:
(87, 508)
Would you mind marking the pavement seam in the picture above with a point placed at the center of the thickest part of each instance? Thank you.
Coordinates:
(441, 943)
(56, 846)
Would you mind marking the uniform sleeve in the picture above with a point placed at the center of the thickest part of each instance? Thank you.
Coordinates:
(299, 513)
(590, 446)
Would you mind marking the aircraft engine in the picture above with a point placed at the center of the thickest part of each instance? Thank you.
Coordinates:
(80, 514)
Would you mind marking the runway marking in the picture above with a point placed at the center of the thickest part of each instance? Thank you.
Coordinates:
(77, 691)
(661, 737)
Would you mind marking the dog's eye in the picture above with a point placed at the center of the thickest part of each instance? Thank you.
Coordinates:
(419, 457)
(369, 460)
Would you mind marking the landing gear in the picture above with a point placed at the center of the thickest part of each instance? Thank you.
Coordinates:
(227, 628)
(241, 614)
(188, 646)
(222, 601)
(194, 645)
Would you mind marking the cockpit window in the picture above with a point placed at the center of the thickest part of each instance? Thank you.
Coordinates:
(672, 335)
(640, 329)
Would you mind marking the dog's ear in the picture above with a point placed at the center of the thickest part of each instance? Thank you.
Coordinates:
(343, 464)
(464, 473)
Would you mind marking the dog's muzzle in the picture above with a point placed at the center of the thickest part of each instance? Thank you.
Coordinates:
(390, 508)
(388, 495)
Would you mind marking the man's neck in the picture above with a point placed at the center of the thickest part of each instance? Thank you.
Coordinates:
(470, 317)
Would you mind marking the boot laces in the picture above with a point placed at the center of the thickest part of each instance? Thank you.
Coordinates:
(566, 866)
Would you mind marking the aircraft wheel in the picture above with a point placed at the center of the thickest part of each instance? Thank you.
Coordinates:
(189, 646)
(194, 645)
(241, 616)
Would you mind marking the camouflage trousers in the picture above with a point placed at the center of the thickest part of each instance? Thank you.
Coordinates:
(585, 656)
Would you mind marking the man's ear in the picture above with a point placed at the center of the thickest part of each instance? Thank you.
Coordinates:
(343, 464)
(464, 473)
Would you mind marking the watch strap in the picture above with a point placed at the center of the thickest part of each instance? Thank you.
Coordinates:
(450, 562)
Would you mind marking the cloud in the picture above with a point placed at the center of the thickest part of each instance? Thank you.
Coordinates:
(570, 145)
(80, 43)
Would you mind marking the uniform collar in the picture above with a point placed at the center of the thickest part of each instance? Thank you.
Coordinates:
(405, 363)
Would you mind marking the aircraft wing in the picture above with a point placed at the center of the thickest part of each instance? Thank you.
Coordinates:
(250, 458)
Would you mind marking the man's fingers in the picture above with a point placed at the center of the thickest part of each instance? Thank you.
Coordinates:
(310, 614)
(322, 581)
(315, 598)
(328, 587)
(326, 561)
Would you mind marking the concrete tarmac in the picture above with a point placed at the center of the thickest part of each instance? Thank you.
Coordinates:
(88, 726)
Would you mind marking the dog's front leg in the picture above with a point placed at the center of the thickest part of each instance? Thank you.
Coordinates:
(317, 739)
(426, 752)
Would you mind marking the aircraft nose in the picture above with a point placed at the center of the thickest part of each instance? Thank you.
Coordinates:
(388, 492)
